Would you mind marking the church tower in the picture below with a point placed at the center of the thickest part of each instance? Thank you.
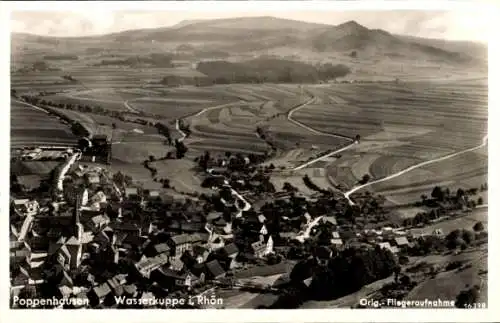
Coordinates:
(77, 225)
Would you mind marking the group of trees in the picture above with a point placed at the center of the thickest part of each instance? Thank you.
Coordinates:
(344, 274)
(270, 70)
(309, 183)
(154, 60)
(440, 194)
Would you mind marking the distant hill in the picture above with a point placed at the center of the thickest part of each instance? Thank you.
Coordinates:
(238, 36)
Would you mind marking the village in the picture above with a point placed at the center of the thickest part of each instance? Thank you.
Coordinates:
(95, 236)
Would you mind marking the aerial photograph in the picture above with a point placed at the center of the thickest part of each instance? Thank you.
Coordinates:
(248, 160)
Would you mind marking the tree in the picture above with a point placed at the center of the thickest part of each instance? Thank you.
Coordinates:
(480, 201)
(365, 179)
(119, 178)
(478, 227)
(397, 271)
(181, 149)
(437, 193)
(467, 297)
(468, 236)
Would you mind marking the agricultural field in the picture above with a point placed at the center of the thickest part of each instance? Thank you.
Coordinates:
(468, 170)
(73, 99)
(401, 132)
(185, 179)
(31, 126)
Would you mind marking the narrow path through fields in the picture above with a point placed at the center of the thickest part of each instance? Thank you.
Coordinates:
(125, 103)
(347, 194)
(302, 125)
(247, 206)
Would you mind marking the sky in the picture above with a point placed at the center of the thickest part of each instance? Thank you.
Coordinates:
(452, 25)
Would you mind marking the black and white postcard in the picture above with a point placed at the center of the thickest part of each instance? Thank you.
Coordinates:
(190, 156)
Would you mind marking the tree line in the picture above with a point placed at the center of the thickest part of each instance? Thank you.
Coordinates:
(271, 70)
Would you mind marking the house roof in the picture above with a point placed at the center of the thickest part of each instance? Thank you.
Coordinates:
(154, 193)
(102, 290)
(151, 263)
(330, 219)
(100, 219)
(401, 241)
(169, 273)
(130, 289)
(176, 263)
(258, 245)
(230, 249)
(337, 241)
(214, 268)
(188, 238)
(199, 250)
(131, 191)
(385, 245)
(161, 247)
(335, 235)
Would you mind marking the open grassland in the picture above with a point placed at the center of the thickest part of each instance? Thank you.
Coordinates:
(30, 127)
(448, 284)
(25, 168)
(134, 149)
(185, 179)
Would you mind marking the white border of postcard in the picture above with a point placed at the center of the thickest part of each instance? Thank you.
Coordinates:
(490, 11)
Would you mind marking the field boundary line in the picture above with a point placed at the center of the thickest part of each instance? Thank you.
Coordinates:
(302, 125)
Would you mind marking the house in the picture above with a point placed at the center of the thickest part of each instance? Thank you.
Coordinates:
(97, 294)
(131, 193)
(261, 247)
(387, 245)
(172, 280)
(26, 207)
(200, 253)
(287, 235)
(99, 222)
(161, 248)
(176, 264)
(330, 219)
(188, 259)
(214, 270)
(337, 242)
(182, 242)
(116, 286)
(230, 250)
(92, 179)
(98, 199)
(154, 195)
(401, 241)
(146, 265)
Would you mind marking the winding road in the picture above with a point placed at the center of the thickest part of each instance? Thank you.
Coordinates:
(347, 194)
